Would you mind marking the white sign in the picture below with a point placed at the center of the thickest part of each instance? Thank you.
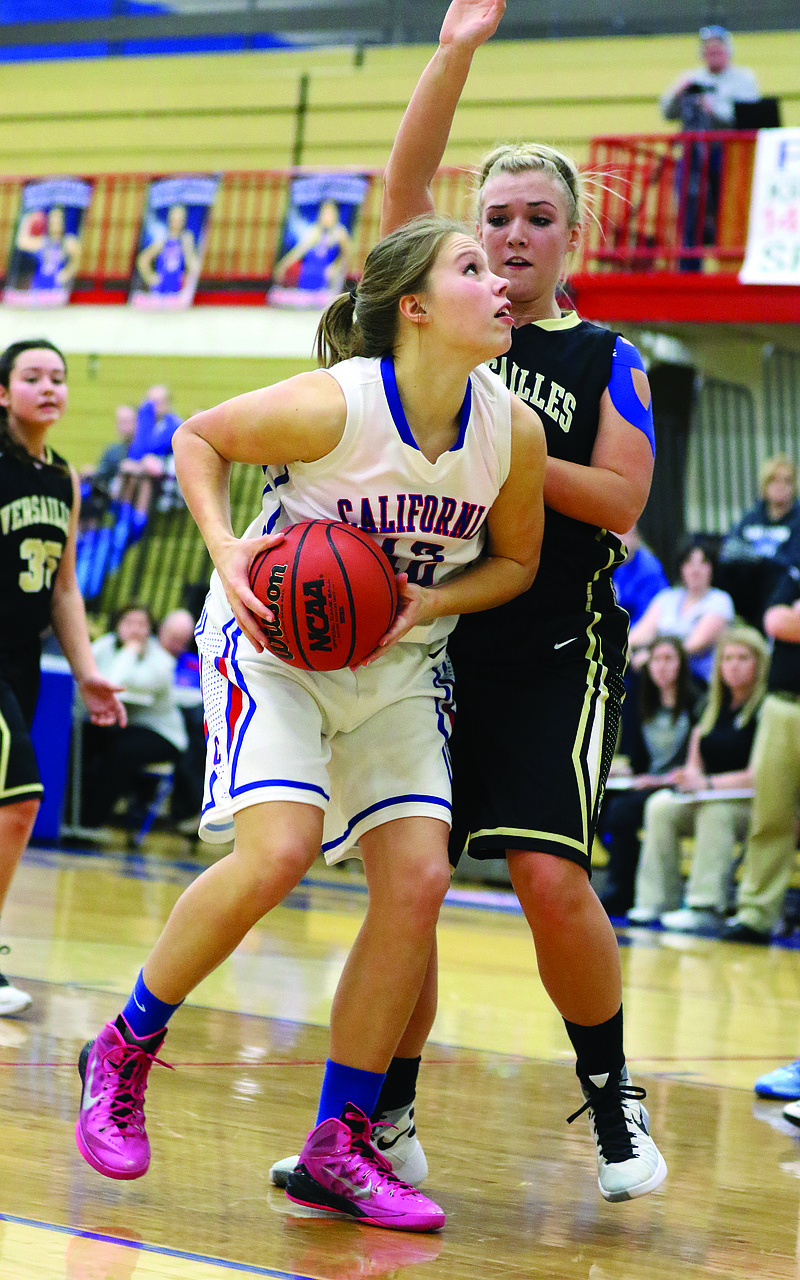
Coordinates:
(773, 238)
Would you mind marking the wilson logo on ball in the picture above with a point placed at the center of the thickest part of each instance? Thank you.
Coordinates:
(273, 631)
(332, 591)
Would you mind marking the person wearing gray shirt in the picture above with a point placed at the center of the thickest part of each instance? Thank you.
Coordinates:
(703, 98)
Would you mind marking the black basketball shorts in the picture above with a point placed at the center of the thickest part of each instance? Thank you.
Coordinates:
(19, 687)
(533, 741)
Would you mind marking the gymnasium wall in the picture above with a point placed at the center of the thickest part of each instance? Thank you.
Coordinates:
(98, 383)
(241, 111)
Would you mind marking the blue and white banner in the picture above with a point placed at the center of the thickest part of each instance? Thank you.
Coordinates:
(172, 242)
(46, 248)
(773, 237)
(314, 255)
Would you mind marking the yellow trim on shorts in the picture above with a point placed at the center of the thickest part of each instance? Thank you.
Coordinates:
(5, 749)
(31, 788)
(527, 834)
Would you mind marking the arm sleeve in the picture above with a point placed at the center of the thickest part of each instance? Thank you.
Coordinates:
(624, 395)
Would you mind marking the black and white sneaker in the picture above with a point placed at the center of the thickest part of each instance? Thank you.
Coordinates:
(629, 1164)
(12, 1000)
(394, 1134)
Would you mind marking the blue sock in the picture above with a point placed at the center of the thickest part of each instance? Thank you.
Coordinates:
(348, 1084)
(145, 1013)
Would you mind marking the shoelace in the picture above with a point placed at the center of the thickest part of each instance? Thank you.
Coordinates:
(611, 1119)
(361, 1146)
(132, 1064)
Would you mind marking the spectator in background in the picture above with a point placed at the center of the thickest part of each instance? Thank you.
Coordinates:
(717, 763)
(769, 856)
(667, 699)
(114, 454)
(695, 611)
(702, 100)
(640, 578)
(150, 451)
(176, 635)
(97, 482)
(130, 655)
(145, 473)
(703, 97)
(764, 543)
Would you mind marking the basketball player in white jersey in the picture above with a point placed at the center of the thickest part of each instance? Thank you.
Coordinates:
(406, 435)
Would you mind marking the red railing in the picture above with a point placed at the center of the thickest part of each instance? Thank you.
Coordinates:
(662, 203)
(668, 202)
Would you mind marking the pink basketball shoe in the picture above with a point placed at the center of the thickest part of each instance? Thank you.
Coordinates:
(110, 1132)
(340, 1171)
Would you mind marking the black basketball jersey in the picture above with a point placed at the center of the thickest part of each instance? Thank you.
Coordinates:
(561, 369)
(35, 505)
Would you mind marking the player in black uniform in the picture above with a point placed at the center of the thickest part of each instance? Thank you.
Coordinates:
(39, 501)
(539, 681)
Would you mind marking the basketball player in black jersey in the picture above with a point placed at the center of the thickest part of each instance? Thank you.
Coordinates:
(539, 680)
(39, 501)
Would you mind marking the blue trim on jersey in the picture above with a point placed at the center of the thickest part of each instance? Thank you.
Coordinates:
(399, 415)
(271, 487)
(233, 634)
(624, 395)
(384, 804)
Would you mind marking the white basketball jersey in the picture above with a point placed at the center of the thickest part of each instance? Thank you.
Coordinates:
(429, 517)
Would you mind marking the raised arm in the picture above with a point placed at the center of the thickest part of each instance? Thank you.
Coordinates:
(422, 137)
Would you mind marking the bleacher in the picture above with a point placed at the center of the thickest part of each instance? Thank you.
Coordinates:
(334, 106)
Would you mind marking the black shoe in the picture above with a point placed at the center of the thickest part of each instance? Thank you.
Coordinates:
(737, 931)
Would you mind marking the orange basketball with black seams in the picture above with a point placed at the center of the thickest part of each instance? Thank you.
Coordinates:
(332, 591)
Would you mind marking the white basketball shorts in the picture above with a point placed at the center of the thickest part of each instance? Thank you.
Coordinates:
(366, 746)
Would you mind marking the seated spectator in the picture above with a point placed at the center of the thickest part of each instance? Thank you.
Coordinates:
(695, 611)
(149, 458)
(97, 482)
(132, 657)
(771, 849)
(176, 635)
(145, 476)
(667, 699)
(718, 762)
(640, 578)
(764, 542)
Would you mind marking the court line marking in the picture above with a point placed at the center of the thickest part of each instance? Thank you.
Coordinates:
(162, 1251)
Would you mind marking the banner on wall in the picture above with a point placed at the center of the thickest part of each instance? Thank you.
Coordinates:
(46, 247)
(315, 246)
(773, 237)
(172, 242)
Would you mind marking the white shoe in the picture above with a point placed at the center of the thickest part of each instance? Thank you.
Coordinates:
(692, 920)
(791, 1112)
(629, 1164)
(394, 1134)
(12, 1000)
(643, 915)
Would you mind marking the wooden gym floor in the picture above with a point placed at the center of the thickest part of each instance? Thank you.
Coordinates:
(519, 1186)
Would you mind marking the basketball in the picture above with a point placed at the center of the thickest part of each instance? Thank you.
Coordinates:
(332, 591)
(37, 223)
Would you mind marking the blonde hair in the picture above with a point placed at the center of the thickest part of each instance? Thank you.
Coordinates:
(717, 691)
(780, 462)
(536, 157)
(364, 322)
